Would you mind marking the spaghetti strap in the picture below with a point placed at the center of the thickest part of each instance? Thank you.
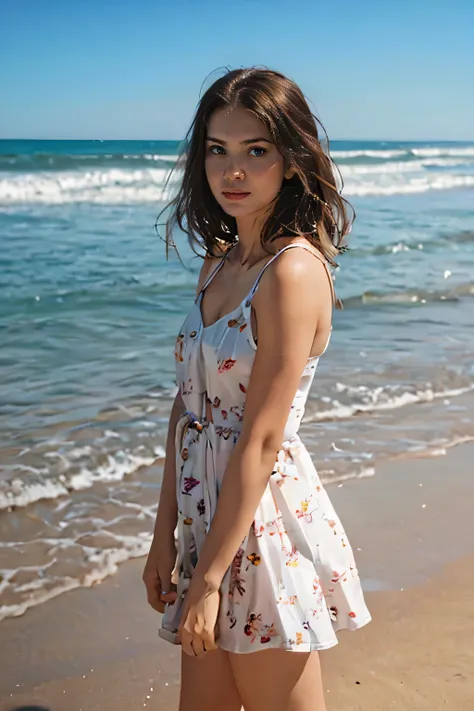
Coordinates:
(211, 276)
(314, 252)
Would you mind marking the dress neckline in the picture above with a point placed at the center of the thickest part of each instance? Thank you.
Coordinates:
(238, 308)
(222, 318)
(248, 297)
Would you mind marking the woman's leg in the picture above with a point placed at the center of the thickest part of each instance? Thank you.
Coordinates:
(277, 680)
(208, 684)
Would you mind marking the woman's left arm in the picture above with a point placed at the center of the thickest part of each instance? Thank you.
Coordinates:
(292, 302)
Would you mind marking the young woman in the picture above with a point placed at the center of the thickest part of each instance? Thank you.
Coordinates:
(260, 562)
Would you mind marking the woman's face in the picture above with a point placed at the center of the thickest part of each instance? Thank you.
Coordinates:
(241, 156)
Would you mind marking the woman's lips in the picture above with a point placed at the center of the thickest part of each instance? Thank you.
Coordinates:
(235, 196)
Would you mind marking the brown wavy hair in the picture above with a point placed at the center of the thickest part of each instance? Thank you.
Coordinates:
(309, 203)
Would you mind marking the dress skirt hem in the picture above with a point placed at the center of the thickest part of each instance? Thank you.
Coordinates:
(306, 648)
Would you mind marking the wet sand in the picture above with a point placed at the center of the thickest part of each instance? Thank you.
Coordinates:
(98, 649)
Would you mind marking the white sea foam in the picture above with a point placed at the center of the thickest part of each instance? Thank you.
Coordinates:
(329, 477)
(105, 563)
(376, 399)
(22, 492)
(403, 185)
(403, 166)
(151, 156)
(397, 153)
(369, 154)
(431, 152)
(98, 186)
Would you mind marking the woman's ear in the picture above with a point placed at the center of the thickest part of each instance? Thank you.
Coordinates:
(289, 173)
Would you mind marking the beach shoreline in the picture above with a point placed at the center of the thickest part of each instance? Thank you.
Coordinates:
(411, 528)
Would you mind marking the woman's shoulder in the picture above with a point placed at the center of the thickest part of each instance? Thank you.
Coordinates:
(302, 241)
(295, 273)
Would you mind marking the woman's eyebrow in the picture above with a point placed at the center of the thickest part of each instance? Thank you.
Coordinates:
(247, 140)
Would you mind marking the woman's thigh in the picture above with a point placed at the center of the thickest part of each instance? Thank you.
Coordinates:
(277, 680)
(208, 684)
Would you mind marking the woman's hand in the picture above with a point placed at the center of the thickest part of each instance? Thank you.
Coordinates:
(199, 617)
(157, 574)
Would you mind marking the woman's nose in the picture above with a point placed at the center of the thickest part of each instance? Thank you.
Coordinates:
(233, 171)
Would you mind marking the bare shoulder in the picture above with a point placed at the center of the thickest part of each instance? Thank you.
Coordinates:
(297, 275)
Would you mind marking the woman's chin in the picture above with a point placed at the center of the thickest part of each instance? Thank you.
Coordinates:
(237, 209)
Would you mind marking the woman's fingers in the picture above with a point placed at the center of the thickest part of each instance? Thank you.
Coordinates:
(185, 634)
(153, 589)
(192, 644)
(154, 599)
(184, 617)
(209, 641)
(159, 594)
(168, 593)
(198, 647)
(185, 630)
(157, 575)
(187, 644)
(196, 643)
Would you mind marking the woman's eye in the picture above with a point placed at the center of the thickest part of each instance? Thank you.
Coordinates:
(212, 149)
(220, 151)
(258, 148)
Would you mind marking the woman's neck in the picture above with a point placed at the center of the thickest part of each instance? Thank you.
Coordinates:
(249, 249)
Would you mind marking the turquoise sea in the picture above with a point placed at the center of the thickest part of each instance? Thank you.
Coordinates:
(89, 308)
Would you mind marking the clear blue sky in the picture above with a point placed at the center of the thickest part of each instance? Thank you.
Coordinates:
(122, 69)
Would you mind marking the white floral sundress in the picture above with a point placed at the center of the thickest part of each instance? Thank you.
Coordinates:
(293, 583)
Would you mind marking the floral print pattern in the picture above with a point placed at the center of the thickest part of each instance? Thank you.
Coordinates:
(293, 583)
(225, 365)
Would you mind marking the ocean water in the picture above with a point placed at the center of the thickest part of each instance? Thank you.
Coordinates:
(89, 309)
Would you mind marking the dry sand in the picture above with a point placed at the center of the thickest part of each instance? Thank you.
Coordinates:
(98, 650)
